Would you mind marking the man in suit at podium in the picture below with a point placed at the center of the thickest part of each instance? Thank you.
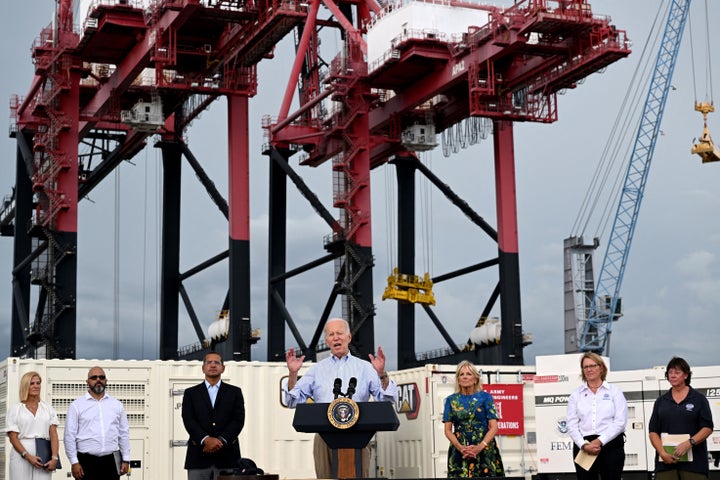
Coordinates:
(319, 384)
(214, 414)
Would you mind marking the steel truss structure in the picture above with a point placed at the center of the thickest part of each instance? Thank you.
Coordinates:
(87, 88)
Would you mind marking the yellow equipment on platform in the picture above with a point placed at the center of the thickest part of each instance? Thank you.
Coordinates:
(409, 288)
(705, 147)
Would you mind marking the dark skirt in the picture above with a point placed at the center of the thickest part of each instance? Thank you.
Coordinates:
(487, 464)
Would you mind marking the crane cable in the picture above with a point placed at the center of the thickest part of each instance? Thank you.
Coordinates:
(116, 267)
(390, 219)
(144, 254)
(616, 152)
(426, 205)
(426, 202)
(708, 68)
(159, 187)
(154, 267)
(709, 56)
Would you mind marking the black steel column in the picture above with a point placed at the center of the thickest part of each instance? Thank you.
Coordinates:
(64, 338)
(21, 250)
(277, 259)
(405, 168)
(170, 256)
(361, 300)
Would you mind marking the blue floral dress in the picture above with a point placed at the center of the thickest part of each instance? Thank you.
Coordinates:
(469, 415)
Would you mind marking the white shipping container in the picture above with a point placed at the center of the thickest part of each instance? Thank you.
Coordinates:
(558, 375)
(706, 380)
(418, 449)
(151, 392)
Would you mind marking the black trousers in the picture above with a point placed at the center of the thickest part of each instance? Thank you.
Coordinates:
(98, 468)
(610, 462)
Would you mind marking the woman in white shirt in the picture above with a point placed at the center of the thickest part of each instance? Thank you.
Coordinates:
(596, 419)
(30, 419)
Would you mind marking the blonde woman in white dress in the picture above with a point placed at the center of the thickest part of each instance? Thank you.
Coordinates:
(30, 419)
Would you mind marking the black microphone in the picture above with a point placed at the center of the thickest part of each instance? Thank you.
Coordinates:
(336, 387)
(351, 387)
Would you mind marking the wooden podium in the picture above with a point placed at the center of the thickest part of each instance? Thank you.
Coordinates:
(346, 443)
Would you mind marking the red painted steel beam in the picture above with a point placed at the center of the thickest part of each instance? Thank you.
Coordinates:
(360, 205)
(456, 71)
(279, 127)
(67, 178)
(239, 167)
(417, 93)
(37, 82)
(302, 49)
(506, 201)
(131, 66)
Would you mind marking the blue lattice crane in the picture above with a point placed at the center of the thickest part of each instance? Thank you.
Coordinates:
(605, 306)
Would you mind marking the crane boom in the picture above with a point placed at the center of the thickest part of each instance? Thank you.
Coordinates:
(605, 305)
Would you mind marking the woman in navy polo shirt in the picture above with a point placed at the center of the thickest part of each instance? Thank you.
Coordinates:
(682, 410)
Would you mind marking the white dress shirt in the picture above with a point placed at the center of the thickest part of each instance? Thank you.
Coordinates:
(603, 413)
(97, 427)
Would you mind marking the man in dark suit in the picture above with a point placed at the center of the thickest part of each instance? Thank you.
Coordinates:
(214, 414)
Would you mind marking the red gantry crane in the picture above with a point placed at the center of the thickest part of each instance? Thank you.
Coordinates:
(131, 70)
(405, 71)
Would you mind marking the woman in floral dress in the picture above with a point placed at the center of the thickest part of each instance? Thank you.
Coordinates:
(470, 425)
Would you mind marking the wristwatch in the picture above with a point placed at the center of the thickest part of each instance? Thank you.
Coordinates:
(692, 441)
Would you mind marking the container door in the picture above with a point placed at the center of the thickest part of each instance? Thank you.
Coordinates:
(708, 384)
(179, 434)
(137, 449)
(443, 385)
(636, 439)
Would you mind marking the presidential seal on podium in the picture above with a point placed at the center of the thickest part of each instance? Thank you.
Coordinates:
(343, 412)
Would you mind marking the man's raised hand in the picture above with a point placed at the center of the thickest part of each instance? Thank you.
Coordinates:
(378, 362)
(293, 363)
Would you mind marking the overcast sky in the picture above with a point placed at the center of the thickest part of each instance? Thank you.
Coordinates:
(670, 286)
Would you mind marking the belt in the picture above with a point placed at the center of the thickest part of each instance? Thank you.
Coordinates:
(96, 456)
(619, 439)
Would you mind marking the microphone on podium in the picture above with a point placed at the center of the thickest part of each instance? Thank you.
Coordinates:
(351, 387)
(336, 387)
